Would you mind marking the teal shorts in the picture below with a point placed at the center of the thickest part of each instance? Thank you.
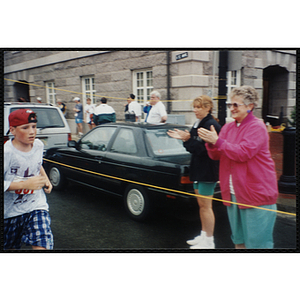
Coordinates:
(205, 188)
(251, 226)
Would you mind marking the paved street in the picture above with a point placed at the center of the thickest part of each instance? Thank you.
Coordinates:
(85, 219)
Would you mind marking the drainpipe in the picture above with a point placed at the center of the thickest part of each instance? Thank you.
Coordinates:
(169, 107)
(222, 89)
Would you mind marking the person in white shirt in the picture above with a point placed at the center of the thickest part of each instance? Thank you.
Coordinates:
(135, 108)
(89, 110)
(26, 211)
(158, 113)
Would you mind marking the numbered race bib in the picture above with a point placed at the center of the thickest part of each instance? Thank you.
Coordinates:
(22, 191)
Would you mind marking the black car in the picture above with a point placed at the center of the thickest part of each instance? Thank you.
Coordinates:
(137, 161)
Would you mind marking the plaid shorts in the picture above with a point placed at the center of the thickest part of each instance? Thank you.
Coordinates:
(31, 228)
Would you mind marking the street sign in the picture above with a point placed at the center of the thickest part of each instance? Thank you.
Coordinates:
(182, 55)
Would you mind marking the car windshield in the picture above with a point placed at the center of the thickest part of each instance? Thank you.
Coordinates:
(47, 117)
(162, 144)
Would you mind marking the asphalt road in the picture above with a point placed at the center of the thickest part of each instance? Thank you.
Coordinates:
(84, 219)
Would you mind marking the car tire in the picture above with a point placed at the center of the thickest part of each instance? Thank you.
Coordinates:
(137, 203)
(57, 178)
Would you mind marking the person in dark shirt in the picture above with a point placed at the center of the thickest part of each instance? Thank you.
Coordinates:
(203, 170)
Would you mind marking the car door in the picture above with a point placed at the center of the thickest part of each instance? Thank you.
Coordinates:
(88, 158)
(124, 158)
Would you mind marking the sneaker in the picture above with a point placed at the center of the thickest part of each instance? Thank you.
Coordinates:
(204, 244)
(195, 241)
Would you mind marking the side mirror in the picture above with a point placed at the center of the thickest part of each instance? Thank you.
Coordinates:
(72, 144)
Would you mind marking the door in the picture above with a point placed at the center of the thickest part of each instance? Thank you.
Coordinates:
(89, 156)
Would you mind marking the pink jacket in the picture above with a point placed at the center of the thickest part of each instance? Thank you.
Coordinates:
(244, 153)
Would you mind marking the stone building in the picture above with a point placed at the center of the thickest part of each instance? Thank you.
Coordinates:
(179, 75)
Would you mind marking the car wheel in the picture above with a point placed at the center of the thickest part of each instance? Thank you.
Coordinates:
(57, 178)
(137, 203)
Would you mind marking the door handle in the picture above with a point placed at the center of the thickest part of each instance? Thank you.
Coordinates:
(98, 158)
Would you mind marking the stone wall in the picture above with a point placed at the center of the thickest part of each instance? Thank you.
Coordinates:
(112, 72)
(194, 73)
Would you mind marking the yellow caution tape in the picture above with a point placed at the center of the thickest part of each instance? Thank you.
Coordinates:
(167, 189)
(118, 98)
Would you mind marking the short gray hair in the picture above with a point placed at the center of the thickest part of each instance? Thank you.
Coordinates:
(155, 93)
(248, 92)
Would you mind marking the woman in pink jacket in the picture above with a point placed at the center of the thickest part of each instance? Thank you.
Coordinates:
(247, 172)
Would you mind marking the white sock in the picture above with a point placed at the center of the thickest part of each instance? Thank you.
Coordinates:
(203, 233)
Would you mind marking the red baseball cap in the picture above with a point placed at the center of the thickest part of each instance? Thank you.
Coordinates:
(21, 117)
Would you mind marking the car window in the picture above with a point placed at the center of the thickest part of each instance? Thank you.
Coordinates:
(47, 117)
(124, 142)
(97, 139)
(162, 144)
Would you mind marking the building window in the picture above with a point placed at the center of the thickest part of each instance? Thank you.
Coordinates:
(88, 88)
(50, 92)
(233, 80)
(142, 85)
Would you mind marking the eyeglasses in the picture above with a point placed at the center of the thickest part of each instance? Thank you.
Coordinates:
(235, 105)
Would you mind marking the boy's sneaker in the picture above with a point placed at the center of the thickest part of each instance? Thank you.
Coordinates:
(204, 244)
(196, 240)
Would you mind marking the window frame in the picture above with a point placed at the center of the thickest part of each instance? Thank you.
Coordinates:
(88, 93)
(146, 87)
(91, 140)
(130, 137)
(50, 94)
(231, 85)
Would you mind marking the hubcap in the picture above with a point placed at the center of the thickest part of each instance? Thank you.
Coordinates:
(54, 176)
(135, 202)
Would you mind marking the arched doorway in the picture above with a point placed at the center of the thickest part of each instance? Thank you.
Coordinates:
(275, 91)
(21, 90)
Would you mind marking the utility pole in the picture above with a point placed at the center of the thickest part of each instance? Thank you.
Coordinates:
(169, 107)
(222, 89)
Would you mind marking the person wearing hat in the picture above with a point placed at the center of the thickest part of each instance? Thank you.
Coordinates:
(26, 216)
(39, 100)
(78, 115)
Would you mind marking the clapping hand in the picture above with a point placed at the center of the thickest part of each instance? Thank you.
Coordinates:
(209, 136)
(179, 134)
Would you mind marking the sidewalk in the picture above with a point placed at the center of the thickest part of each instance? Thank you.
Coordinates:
(285, 202)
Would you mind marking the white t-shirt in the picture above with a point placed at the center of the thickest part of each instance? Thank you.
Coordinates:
(156, 113)
(89, 109)
(232, 192)
(19, 166)
(135, 107)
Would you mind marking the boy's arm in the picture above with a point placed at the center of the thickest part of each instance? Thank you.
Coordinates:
(48, 185)
(32, 183)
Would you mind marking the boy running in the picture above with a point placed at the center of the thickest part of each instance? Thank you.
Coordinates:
(26, 217)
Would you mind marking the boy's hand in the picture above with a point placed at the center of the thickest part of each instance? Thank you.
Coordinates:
(35, 182)
(48, 187)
